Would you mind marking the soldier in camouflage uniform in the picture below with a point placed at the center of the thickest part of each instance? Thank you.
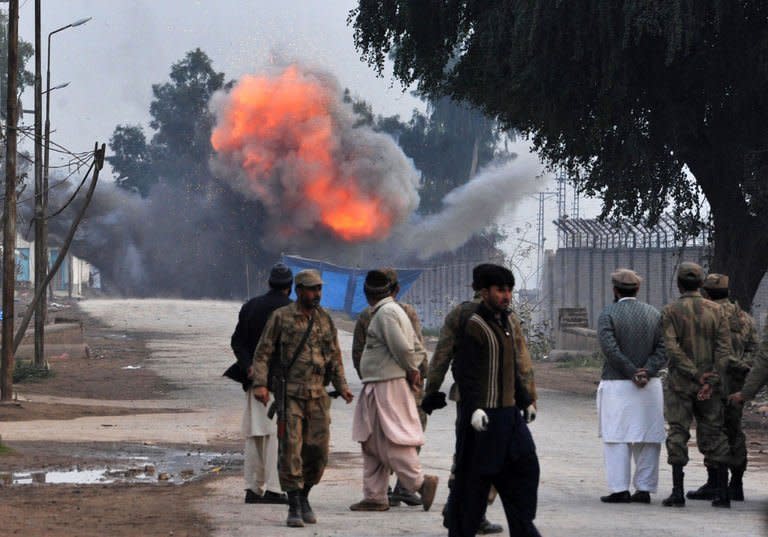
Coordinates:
(303, 445)
(758, 375)
(698, 344)
(744, 344)
(399, 494)
(442, 358)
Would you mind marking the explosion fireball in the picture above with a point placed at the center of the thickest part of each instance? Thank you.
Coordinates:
(290, 140)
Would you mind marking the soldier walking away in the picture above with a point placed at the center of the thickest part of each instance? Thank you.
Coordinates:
(445, 352)
(493, 445)
(698, 346)
(744, 345)
(303, 340)
(630, 402)
(386, 421)
(399, 494)
(260, 453)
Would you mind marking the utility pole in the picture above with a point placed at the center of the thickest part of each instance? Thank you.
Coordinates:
(9, 227)
(41, 257)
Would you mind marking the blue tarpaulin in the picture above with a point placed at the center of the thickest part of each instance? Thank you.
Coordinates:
(343, 286)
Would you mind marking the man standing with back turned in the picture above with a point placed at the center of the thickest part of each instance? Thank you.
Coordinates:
(260, 456)
(630, 401)
(698, 345)
(304, 338)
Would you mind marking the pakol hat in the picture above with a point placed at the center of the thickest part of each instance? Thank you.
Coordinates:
(495, 275)
(478, 274)
(716, 281)
(308, 278)
(690, 272)
(377, 283)
(625, 278)
(280, 275)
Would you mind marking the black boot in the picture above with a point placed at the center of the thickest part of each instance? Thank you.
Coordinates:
(708, 491)
(676, 499)
(307, 515)
(722, 499)
(294, 510)
(736, 487)
(400, 494)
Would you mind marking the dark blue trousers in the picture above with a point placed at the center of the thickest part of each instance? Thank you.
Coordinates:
(503, 456)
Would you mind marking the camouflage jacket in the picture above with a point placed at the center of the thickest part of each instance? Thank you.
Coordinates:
(361, 334)
(492, 365)
(320, 358)
(743, 339)
(758, 376)
(697, 340)
(445, 351)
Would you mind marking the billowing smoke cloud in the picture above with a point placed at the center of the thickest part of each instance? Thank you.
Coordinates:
(289, 140)
(473, 206)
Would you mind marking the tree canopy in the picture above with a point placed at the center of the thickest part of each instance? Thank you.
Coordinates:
(624, 94)
(180, 148)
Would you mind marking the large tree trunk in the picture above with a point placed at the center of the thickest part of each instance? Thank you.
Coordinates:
(740, 237)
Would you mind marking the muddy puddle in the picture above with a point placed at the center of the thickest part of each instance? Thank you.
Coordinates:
(159, 465)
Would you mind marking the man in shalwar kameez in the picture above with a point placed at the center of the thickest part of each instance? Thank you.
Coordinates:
(386, 421)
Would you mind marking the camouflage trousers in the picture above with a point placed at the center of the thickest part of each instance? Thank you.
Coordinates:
(737, 440)
(680, 409)
(303, 449)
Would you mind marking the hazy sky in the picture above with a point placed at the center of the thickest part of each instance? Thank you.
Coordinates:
(112, 61)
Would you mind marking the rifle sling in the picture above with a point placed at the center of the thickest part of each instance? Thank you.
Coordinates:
(299, 348)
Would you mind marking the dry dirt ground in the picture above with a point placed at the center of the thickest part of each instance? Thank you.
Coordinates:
(83, 401)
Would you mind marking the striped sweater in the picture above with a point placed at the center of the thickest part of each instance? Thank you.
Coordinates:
(493, 367)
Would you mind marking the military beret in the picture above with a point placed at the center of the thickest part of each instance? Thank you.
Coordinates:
(496, 275)
(715, 281)
(280, 275)
(624, 278)
(391, 275)
(377, 283)
(308, 278)
(690, 272)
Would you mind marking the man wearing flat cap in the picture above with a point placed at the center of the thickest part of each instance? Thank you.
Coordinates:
(630, 395)
(698, 344)
(303, 340)
(260, 454)
(744, 344)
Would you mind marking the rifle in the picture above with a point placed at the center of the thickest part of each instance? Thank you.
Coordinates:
(280, 404)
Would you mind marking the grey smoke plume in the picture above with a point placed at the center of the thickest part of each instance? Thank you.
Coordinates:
(287, 139)
(473, 206)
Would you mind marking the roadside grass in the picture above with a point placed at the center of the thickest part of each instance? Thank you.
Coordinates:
(26, 371)
(593, 361)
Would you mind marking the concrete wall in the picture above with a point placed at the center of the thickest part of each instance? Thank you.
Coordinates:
(580, 277)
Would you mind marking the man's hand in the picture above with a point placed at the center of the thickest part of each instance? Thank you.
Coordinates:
(704, 379)
(261, 393)
(433, 401)
(530, 413)
(736, 399)
(479, 420)
(414, 378)
(640, 378)
(347, 395)
(251, 372)
(705, 392)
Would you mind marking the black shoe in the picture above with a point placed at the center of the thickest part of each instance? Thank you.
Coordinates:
(251, 497)
(708, 491)
(294, 519)
(641, 496)
(617, 497)
(402, 495)
(487, 527)
(390, 499)
(274, 497)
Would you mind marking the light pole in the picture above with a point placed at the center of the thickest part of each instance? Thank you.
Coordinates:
(41, 227)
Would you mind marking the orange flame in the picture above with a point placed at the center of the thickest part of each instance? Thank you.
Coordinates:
(271, 123)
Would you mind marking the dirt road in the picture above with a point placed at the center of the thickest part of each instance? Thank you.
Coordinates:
(189, 346)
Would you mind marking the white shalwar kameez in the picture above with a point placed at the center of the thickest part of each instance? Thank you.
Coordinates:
(260, 456)
(631, 424)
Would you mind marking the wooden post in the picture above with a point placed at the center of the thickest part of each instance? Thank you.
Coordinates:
(9, 227)
(41, 256)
